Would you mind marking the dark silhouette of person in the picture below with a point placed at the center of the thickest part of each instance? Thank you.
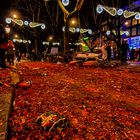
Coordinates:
(132, 54)
(10, 52)
(3, 46)
(108, 49)
(124, 50)
(139, 54)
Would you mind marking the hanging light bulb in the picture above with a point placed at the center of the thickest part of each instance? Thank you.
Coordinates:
(8, 20)
(26, 23)
(120, 12)
(99, 9)
(43, 26)
(65, 2)
(137, 16)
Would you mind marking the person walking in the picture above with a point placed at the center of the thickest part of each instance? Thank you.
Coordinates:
(3, 46)
(10, 52)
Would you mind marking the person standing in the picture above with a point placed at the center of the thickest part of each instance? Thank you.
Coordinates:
(139, 54)
(10, 52)
(108, 49)
(132, 53)
(3, 46)
(104, 52)
(124, 50)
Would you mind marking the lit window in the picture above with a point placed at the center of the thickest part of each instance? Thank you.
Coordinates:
(133, 31)
(134, 22)
(127, 23)
(139, 30)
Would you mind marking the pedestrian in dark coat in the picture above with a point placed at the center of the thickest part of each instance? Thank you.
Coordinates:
(108, 49)
(124, 50)
(3, 46)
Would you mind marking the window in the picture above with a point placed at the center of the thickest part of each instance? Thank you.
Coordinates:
(133, 31)
(128, 32)
(134, 21)
(138, 30)
(127, 23)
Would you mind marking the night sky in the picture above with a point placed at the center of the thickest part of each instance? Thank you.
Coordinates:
(4, 7)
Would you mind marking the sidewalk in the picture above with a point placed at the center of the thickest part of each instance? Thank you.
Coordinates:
(5, 101)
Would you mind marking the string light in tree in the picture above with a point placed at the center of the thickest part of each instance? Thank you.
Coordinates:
(121, 32)
(113, 11)
(120, 12)
(17, 21)
(73, 30)
(26, 23)
(128, 14)
(35, 24)
(65, 2)
(77, 29)
(99, 9)
(21, 23)
(137, 16)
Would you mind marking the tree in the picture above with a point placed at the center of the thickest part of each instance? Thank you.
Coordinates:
(67, 16)
(100, 20)
(41, 11)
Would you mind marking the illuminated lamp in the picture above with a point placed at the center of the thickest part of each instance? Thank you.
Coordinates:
(83, 44)
(8, 20)
(14, 40)
(99, 9)
(72, 30)
(77, 29)
(128, 14)
(126, 32)
(24, 41)
(65, 2)
(63, 29)
(20, 40)
(90, 31)
(34, 24)
(108, 32)
(83, 30)
(111, 10)
(43, 26)
(26, 23)
(137, 16)
(120, 12)
(17, 21)
(86, 38)
(29, 41)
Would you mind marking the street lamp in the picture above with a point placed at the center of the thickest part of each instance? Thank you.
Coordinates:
(73, 22)
(50, 38)
(14, 16)
(16, 36)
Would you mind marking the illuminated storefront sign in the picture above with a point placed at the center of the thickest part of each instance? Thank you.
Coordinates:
(134, 42)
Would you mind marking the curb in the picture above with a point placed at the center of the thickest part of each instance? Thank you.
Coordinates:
(10, 113)
(6, 107)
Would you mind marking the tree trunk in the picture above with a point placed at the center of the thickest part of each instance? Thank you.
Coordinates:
(66, 36)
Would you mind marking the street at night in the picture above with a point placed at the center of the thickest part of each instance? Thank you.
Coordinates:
(69, 70)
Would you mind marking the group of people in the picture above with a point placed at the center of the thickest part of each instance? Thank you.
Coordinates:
(106, 50)
(6, 46)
